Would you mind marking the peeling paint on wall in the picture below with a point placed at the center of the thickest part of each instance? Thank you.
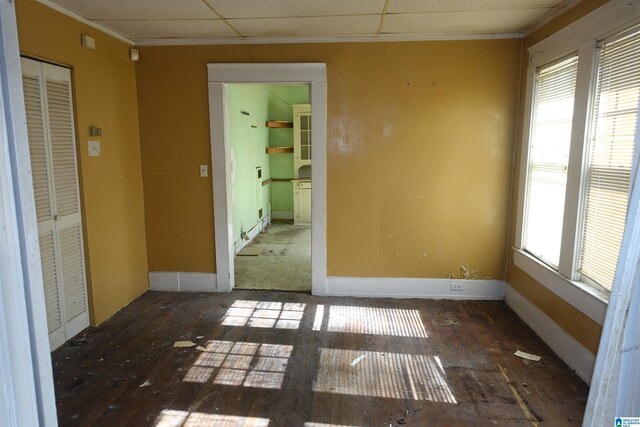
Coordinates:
(466, 272)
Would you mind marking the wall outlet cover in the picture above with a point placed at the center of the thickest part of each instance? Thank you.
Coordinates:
(456, 286)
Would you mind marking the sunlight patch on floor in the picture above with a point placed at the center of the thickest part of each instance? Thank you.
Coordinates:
(173, 418)
(376, 321)
(390, 375)
(307, 424)
(241, 364)
(264, 314)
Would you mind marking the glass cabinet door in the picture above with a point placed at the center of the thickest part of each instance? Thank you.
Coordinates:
(305, 137)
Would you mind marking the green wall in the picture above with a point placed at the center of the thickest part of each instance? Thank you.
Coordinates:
(281, 100)
(248, 146)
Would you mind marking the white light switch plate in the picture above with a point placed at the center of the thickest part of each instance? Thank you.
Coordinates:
(94, 148)
(204, 171)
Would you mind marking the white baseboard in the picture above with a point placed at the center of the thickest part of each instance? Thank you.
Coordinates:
(252, 233)
(182, 281)
(394, 287)
(564, 345)
(282, 214)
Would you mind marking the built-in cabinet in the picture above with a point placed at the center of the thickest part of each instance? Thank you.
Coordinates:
(301, 201)
(301, 139)
(302, 164)
(52, 147)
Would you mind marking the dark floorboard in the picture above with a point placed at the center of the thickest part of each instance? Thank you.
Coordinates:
(425, 363)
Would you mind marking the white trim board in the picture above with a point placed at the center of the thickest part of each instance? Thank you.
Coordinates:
(182, 281)
(383, 38)
(397, 287)
(564, 345)
(219, 77)
(27, 391)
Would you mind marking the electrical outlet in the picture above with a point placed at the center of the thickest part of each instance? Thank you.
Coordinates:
(204, 171)
(456, 286)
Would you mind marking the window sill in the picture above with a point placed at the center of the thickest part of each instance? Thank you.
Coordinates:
(585, 298)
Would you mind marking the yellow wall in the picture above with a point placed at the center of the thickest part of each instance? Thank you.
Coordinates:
(420, 142)
(581, 327)
(105, 96)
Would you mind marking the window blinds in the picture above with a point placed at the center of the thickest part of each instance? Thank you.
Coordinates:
(549, 158)
(612, 137)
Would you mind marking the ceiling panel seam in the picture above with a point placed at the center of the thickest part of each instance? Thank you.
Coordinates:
(223, 19)
(384, 13)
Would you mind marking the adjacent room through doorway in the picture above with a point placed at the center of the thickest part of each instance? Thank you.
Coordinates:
(270, 162)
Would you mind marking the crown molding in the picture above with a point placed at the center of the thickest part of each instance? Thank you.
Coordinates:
(550, 16)
(85, 21)
(308, 40)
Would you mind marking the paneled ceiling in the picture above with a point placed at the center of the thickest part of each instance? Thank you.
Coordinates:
(258, 21)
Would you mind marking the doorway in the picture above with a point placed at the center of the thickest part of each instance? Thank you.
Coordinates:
(221, 78)
(271, 184)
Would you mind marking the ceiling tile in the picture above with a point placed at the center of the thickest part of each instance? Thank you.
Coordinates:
(295, 8)
(156, 29)
(483, 22)
(417, 6)
(138, 9)
(315, 26)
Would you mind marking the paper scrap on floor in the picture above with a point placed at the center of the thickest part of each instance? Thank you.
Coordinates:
(184, 344)
(532, 357)
(358, 360)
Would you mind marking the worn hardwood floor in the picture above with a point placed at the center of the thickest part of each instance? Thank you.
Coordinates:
(290, 359)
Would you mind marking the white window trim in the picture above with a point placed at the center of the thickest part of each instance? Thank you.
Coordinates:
(581, 37)
(588, 299)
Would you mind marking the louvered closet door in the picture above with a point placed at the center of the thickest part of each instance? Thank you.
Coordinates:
(53, 160)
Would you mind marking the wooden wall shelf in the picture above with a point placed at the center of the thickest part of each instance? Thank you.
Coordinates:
(278, 124)
(279, 150)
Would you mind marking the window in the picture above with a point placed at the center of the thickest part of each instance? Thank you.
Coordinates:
(580, 137)
(549, 159)
(611, 154)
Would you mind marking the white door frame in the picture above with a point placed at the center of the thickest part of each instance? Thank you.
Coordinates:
(27, 393)
(219, 76)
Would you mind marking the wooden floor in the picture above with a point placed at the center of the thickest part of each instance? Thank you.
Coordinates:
(290, 359)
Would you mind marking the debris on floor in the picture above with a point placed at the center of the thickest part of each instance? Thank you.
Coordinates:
(184, 344)
(147, 383)
(527, 356)
(358, 360)
(313, 368)
(199, 337)
(200, 348)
